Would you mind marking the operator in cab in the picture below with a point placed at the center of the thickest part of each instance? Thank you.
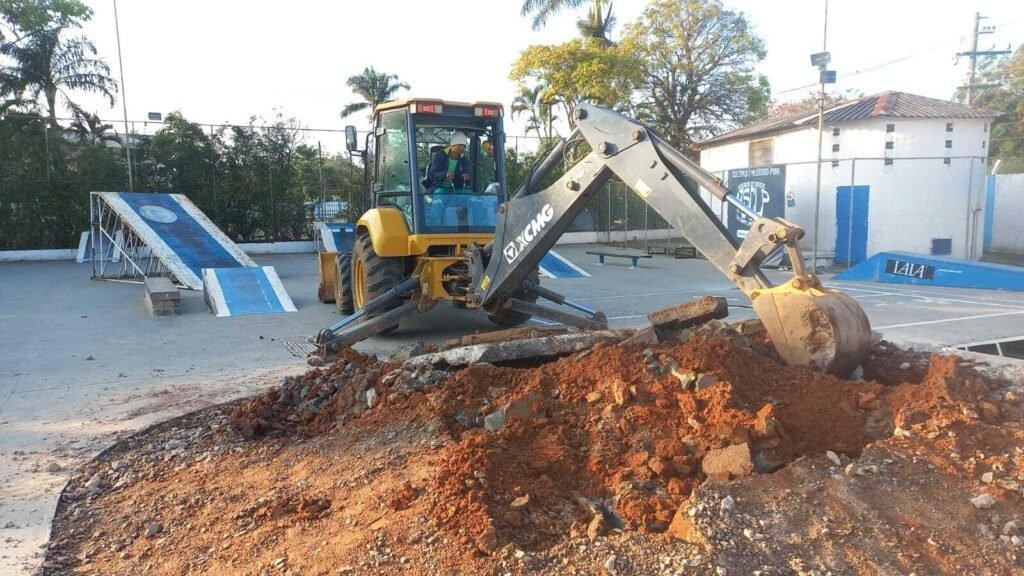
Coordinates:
(449, 167)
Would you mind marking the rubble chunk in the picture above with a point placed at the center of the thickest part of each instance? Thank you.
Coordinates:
(728, 463)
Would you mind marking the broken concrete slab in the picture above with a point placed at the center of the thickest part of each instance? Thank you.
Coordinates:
(508, 351)
(643, 336)
(669, 320)
(522, 333)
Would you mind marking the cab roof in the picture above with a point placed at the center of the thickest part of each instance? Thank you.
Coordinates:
(406, 101)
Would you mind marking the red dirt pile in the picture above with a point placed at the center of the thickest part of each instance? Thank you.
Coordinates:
(614, 437)
(372, 466)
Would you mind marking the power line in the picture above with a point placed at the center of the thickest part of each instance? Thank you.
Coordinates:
(896, 60)
(877, 66)
(974, 53)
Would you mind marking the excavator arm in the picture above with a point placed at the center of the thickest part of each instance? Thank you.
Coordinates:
(808, 324)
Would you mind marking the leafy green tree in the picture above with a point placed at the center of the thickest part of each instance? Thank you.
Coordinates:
(698, 64)
(181, 159)
(1007, 137)
(338, 177)
(578, 70)
(258, 198)
(374, 88)
(47, 66)
(20, 19)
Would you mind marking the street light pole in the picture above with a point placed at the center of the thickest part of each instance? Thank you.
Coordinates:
(821, 117)
(124, 103)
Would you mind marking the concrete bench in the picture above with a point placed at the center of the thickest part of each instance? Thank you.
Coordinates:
(162, 296)
(633, 256)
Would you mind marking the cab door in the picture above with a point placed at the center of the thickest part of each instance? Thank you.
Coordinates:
(393, 176)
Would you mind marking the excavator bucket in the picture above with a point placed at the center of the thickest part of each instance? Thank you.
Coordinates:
(817, 327)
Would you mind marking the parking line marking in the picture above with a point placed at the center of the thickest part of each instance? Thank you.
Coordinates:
(943, 320)
(979, 300)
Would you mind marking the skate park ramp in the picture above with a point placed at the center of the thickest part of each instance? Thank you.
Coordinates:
(554, 265)
(245, 291)
(176, 232)
(927, 270)
(153, 234)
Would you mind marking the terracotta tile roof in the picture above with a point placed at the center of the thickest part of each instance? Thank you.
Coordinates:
(884, 105)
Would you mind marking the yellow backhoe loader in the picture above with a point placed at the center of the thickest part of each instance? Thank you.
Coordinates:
(475, 244)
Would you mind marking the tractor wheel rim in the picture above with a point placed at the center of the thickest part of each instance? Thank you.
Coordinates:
(360, 283)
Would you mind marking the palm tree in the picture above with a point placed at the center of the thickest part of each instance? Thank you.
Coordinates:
(49, 66)
(537, 104)
(543, 9)
(526, 103)
(89, 129)
(597, 24)
(374, 87)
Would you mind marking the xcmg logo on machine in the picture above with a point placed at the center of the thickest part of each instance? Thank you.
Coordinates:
(515, 247)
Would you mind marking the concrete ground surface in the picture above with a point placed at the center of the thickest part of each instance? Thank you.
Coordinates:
(83, 364)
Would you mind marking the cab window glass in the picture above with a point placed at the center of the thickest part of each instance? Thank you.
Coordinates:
(393, 165)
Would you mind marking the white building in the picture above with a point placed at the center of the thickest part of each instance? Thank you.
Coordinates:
(922, 161)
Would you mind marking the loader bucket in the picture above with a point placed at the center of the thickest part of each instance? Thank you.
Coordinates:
(822, 328)
(325, 287)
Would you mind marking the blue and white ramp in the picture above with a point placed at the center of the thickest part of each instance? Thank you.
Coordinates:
(245, 291)
(927, 270)
(178, 234)
(554, 265)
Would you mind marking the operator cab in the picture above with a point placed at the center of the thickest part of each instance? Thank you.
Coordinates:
(408, 133)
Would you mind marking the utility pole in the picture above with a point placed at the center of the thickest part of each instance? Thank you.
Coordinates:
(825, 76)
(974, 53)
(124, 103)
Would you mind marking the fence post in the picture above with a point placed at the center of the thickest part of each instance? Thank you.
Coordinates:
(967, 224)
(626, 217)
(647, 227)
(849, 236)
(609, 189)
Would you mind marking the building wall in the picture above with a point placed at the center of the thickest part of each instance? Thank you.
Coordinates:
(1007, 207)
(912, 201)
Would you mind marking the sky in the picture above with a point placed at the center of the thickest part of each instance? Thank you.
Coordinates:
(222, 61)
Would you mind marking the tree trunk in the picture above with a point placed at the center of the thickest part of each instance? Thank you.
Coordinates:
(51, 106)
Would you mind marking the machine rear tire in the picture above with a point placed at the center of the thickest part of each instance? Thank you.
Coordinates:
(510, 318)
(343, 283)
(373, 275)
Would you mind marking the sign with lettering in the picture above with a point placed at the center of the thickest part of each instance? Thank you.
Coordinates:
(761, 189)
(909, 269)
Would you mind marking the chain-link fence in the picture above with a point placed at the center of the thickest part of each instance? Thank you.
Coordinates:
(963, 207)
(621, 218)
(263, 181)
(273, 181)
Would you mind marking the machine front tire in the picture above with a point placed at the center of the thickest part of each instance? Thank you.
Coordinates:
(343, 283)
(510, 318)
(373, 275)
